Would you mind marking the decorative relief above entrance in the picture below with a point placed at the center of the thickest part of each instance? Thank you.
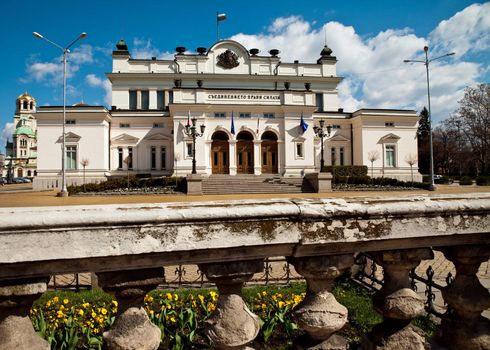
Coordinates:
(228, 59)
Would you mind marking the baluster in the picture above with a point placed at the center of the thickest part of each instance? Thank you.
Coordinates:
(398, 303)
(132, 328)
(232, 325)
(16, 330)
(319, 314)
(464, 327)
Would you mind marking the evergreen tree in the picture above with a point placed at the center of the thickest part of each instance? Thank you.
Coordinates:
(423, 142)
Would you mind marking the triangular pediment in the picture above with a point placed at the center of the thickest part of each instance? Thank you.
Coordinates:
(158, 137)
(69, 137)
(339, 138)
(389, 138)
(125, 138)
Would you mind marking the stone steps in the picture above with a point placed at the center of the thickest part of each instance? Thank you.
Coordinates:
(225, 184)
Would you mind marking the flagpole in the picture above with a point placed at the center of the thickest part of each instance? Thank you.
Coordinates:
(217, 26)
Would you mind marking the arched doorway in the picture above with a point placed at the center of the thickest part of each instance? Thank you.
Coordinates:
(220, 155)
(269, 153)
(20, 172)
(245, 153)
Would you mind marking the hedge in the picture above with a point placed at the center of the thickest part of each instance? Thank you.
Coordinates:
(483, 180)
(347, 170)
(466, 181)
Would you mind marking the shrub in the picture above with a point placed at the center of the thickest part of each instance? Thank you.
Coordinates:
(443, 180)
(466, 181)
(483, 180)
(347, 170)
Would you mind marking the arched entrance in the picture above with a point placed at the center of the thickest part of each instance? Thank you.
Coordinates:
(20, 172)
(220, 155)
(245, 153)
(269, 153)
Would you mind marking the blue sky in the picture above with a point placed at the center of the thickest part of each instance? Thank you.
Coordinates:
(369, 38)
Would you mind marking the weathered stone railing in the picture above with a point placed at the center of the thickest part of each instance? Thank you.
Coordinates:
(127, 245)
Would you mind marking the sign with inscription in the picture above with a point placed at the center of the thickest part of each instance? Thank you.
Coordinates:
(244, 97)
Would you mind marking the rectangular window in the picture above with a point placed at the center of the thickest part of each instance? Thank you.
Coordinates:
(245, 115)
(163, 158)
(389, 124)
(130, 158)
(132, 99)
(70, 121)
(158, 125)
(390, 156)
(71, 157)
(269, 115)
(333, 156)
(145, 99)
(188, 147)
(124, 125)
(299, 150)
(119, 158)
(160, 100)
(341, 155)
(170, 97)
(220, 115)
(319, 102)
(335, 126)
(153, 158)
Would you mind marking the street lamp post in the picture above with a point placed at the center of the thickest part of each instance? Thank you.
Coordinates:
(191, 131)
(66, 51)
(322, 132)
(431, 151)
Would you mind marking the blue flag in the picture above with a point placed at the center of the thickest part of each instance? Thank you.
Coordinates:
(302, 123)
(232, 130)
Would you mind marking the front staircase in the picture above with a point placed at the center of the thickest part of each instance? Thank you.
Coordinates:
(226, 184)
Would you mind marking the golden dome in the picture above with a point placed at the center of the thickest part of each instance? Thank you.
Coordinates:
(26, 96)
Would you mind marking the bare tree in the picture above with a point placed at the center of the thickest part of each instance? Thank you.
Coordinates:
(411, 160)
(372, 157)
(84, 162)
(474, 112)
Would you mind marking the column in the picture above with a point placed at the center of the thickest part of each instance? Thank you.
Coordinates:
(281, 159)
(319, 314)
(398, 303)
(207, 156)
(132, 328)
(232, 325)
(257, 157)
(465, 327)
(16, 298)
(232, 144)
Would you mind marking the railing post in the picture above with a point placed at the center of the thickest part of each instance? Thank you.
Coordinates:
(232, 325)
(319, 314)
(132, 328)
(16, 330)
(464, 327)
(398, 303)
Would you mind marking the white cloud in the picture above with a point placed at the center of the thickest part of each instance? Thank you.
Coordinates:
(375, 75)
(6, 134)
(81, 55)
(143, 48)
(94, 81)
(466, 31)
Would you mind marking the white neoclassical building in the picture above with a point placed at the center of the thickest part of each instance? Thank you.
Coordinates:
(259, 115)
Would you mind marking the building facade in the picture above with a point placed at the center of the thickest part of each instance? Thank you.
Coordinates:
(21, 153)
(258, 115)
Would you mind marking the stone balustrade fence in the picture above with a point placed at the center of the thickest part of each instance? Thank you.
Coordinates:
(128, 245)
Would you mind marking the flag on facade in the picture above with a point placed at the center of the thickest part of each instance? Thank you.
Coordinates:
(303, 124)
(232, 130)
(189, 118)
(220, 17)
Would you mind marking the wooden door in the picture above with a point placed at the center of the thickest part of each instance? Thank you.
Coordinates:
(269, 157)
(245, 157)
(220, 158)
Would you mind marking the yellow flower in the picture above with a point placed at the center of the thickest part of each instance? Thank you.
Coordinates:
(169, 306)
(169, 296)
(148, 298)
(104, 311)
(280, 304)
(55, 299)
(176, 297)
(114, 302)
(264, 306)
(264, 293)
(173, 320)
(214, 295)
(85, 305)
(60, 314)
(152, 312)
(211, 307)
(80, 312)
(94, 315)
(201, 298)
(66, 301)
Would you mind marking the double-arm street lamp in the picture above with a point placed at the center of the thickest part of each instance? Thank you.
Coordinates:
(322, 131)
(66, 51)
(431, 154)
(191, 131)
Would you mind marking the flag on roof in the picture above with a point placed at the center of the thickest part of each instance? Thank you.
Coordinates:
(221, 17)
(303, 124)
(232, 130)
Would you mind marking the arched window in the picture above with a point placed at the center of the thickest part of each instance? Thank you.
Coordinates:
(25, 104)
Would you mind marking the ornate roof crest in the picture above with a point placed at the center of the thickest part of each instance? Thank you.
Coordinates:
(228, 59)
